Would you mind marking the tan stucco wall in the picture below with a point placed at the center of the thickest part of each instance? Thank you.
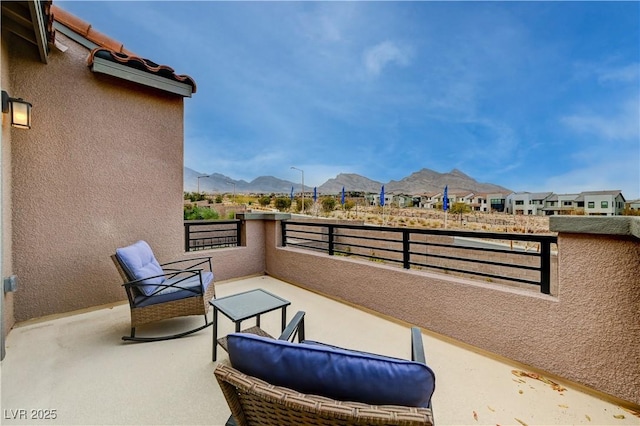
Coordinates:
(242, 261)
(589, 333)
(6, 267)
(101, 168)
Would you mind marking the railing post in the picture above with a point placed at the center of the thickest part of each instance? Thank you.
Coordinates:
(545, 267)
(405, 249)
(283, 226)
(238, 233)
(186, 237)
(330, 235)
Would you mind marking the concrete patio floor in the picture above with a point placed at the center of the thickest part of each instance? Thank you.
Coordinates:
(78, 366)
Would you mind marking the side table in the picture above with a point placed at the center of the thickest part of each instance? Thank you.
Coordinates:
(242, 306)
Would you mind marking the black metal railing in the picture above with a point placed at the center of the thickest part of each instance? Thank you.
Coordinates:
(495, 257)
(210, 234)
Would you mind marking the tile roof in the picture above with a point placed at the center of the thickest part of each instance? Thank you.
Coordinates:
(140, 64)
(114, 50)
(85, 29)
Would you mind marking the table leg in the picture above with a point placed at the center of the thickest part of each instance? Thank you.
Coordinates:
(284, 317)
(215, 333)
(258, 320)
(238, 323)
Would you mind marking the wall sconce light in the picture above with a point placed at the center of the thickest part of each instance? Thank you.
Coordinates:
(20, 111)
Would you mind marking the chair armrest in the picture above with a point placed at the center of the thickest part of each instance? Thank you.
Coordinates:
(295, 326)
(195, 261)
(417, 348)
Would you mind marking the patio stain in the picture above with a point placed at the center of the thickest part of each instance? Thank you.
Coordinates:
(632, 412)
(555, 386)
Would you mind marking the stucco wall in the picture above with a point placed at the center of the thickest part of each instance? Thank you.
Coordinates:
(6, 267)
(101, 168)
(589, 333)
(229, 263)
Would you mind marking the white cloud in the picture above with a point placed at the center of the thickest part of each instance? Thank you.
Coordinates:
(382, 54)
(623, 124)
(625, 74)
(620, 173)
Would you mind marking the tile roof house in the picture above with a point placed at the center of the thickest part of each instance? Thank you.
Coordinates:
(106, 142)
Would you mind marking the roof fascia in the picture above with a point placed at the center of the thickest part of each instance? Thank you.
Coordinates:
(74, 35)
(37, 15)
(124, 72)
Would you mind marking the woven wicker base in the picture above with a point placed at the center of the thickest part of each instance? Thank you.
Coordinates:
(255, 402)
(198, 305)
(253, 330)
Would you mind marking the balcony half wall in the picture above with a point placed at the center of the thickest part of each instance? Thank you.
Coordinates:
(589, 333)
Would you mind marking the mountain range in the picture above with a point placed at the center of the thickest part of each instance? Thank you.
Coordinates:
(423, 181)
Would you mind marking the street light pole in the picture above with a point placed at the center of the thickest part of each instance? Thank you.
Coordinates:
(234, 190)
(203, 176)
(301, 171)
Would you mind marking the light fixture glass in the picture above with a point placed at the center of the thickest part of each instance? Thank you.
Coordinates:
(20, 114)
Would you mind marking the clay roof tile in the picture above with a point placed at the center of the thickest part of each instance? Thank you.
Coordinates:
(85, 29)
(105, 41)
(113, 50)
(73, 22)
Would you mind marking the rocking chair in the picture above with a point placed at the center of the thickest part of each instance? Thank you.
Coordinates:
(162, 291)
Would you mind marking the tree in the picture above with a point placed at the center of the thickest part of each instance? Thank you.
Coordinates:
(460, 208)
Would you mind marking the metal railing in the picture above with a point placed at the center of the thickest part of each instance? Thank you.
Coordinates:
(210, 234)
(495, 257)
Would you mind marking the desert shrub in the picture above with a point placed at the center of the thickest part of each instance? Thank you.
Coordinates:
(283, 203)
(199, 213)
(193, 196)
(264, 201)
(328, 204)
(307, 204)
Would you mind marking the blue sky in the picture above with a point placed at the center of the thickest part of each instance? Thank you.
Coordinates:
(533, 96)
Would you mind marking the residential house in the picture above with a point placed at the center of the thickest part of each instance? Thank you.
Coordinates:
(496, 201)
(602, 203)
(478, 203)
(527, 203)
(429, 200)
(403, 200)
(561, 204)
(105, 143)
(374, 199)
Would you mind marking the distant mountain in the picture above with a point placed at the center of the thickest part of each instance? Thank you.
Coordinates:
(272, 184)
(216, 182)
(350, 182)
(423, 181)
(427, 180)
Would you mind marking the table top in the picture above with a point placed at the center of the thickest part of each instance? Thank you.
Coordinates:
(241, 306)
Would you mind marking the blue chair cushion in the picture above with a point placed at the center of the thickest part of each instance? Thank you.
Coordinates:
(188, 287)
(139, 262)
(333, 372)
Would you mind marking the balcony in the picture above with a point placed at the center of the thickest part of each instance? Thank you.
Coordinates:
(77, 365)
